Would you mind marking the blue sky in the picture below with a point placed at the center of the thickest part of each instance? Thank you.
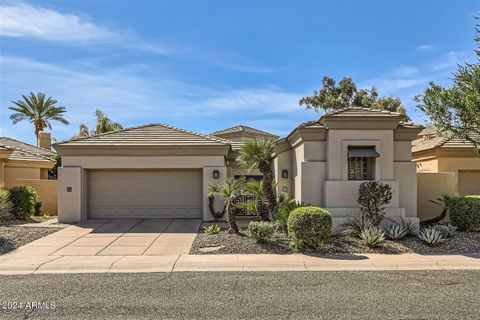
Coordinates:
(207, 65)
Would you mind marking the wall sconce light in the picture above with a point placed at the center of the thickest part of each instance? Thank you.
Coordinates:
(285, 173)
(216, 174)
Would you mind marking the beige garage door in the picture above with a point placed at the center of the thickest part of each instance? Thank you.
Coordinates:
(468, 182)
(144, 194)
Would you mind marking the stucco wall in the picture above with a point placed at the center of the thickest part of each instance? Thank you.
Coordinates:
(430, 165)
(337, 150)
(405, 173)
(47, 193)
(70, 192)
(431, 186)
(281, 162)
(14, 173)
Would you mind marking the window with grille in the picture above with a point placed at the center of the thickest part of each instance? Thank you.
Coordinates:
(361, 163)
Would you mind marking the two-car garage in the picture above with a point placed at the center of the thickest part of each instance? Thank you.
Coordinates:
(144, 193)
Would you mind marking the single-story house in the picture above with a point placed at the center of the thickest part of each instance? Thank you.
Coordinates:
(24, 164)
(444, 166)
(161, 171)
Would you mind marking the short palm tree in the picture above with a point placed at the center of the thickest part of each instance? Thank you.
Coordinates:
(229, 191)
(258, 153)
(38, 110)
(256, 189)
(104, 123)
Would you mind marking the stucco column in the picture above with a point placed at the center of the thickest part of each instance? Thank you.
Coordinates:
(70, 194)
(208, 179)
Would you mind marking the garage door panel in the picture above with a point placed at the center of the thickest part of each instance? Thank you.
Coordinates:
(468, 182)
(145, 194)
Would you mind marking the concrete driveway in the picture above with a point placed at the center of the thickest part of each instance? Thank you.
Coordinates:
(119, 237)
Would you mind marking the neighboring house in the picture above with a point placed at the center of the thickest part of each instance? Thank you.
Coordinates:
(24, 164)
(323, 162)
(444, 166)
(161, 171)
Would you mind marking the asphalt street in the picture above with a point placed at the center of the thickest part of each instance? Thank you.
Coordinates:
(288, 295)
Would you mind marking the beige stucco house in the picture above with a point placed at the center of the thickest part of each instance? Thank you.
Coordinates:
(444, 166)
(161, 171)
(323, 162)
(24, 164)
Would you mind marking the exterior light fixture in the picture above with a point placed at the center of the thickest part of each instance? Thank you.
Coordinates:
(285, 173)
(216, 174)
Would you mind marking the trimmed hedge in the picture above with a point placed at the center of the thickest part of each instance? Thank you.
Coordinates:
(309, 227)
(23, 199)
(465, 212)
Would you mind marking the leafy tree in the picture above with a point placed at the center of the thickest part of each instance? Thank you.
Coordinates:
(37, 110)
(229, 191)
(58, 163)
(333, 96)
(455, 111)
(104, 123)
(372, 196)
(258, 153)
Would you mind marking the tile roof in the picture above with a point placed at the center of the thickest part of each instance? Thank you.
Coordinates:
(150, 134)
(429, 138)
(240, 128)
(26, 146)
(25, 155)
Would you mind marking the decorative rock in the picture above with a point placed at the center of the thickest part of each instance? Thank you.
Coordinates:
(210, 249)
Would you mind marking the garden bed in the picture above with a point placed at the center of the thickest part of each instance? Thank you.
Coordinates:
(224, 243)
(13, 236)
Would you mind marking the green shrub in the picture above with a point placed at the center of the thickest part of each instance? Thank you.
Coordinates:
(465, 212)
(309, 227)
(262, 231)
(372, 196)
(448, 230)
(212, 229)
(23, 199)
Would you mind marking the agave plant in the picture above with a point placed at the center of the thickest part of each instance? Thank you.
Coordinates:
(353, 227)
(448, 230)
(395, 232)
(410, 226)
(6, 205)
(372, 236)
(212, 229)
(431, 236)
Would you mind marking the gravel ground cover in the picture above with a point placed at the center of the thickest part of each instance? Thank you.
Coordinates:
(461, 243)
(13, 236)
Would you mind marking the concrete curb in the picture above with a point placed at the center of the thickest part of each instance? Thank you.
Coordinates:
(10, 265)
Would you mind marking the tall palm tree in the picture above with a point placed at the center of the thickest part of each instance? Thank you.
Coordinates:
(258, 153)
(37, 110)
(229, 191)
(104, 123)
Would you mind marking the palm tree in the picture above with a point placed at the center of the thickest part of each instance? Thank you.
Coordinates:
(229, 192)
(37, 110)
(256, 189)
(258, 153)
(104, 123)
